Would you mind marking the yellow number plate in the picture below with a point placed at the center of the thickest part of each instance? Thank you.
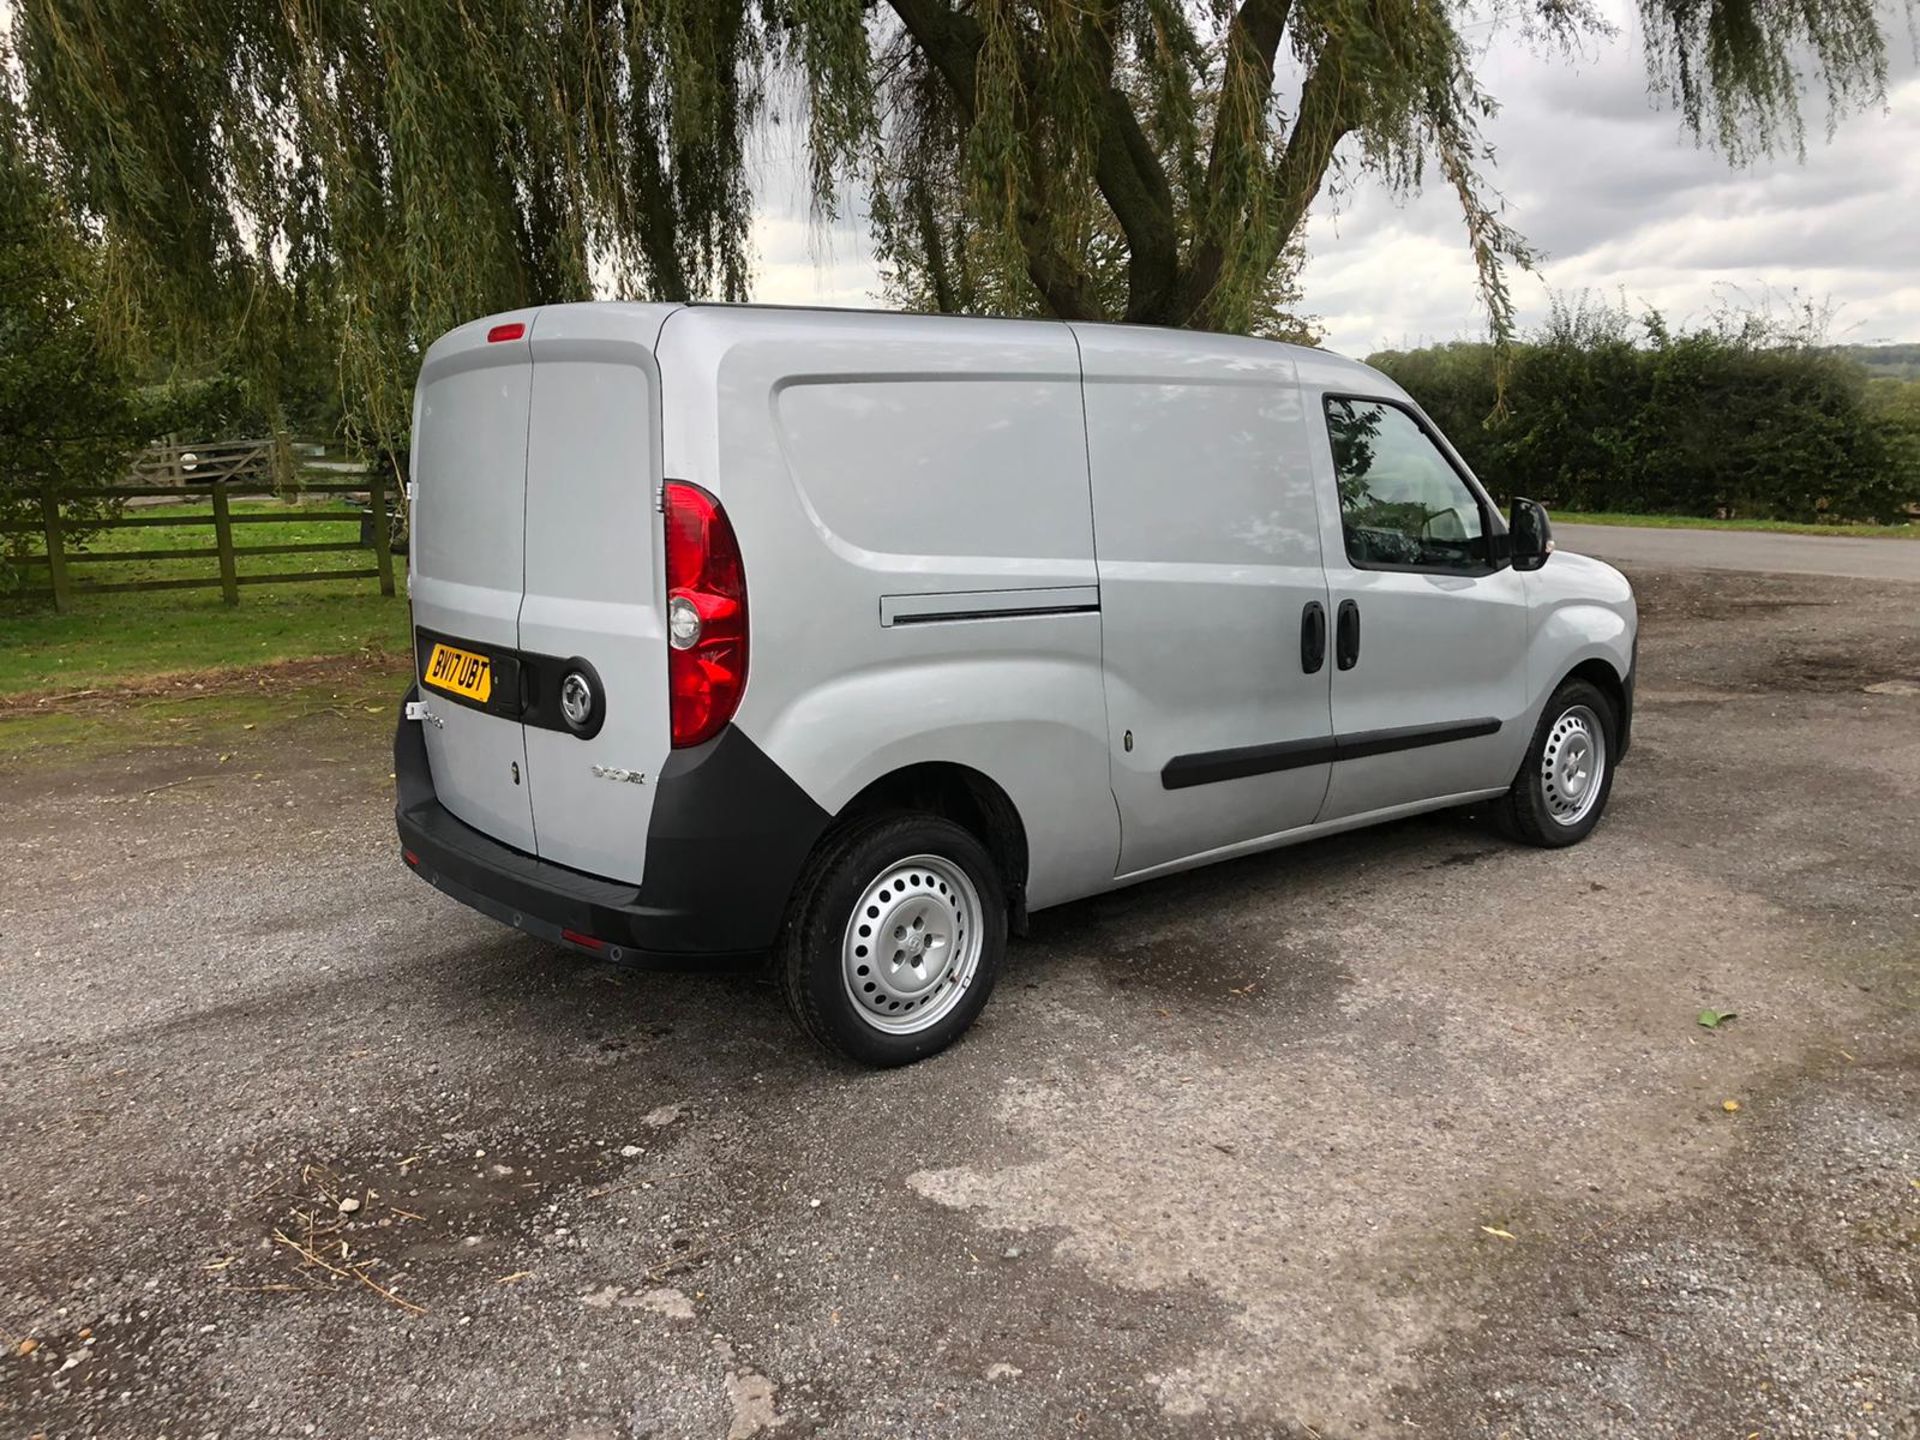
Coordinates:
(460, 672)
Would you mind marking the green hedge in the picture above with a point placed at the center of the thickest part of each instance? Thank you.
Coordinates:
(1605, 413)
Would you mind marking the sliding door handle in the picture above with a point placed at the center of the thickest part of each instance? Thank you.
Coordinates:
(1313, 637)
(1346, 635)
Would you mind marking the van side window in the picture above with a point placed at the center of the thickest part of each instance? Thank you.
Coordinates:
(1402, 504)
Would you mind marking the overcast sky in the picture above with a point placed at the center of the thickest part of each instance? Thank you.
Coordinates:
(1620, 200)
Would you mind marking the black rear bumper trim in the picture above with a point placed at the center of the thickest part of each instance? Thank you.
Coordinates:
(728, 835)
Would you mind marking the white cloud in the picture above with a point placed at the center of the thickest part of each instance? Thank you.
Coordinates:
(1617, 195)
(1623, 202)
(800, 263)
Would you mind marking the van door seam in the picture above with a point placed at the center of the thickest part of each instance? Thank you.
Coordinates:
(1093, 530)
(526, 512)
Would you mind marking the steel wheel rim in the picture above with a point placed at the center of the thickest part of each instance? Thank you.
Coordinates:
(912, 947)
(1573, 766)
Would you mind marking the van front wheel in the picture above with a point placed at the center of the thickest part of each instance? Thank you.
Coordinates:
(1563, 784)
(894, 939)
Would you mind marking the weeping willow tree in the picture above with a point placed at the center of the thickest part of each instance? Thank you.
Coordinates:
(386, 168)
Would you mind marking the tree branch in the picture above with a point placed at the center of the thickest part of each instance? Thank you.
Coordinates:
(951, 41)
(1246, 87)
(1253, 42)
(1126, 170)
(1320, 124)
(1323, 122)
(920, 200)
(1134, 184)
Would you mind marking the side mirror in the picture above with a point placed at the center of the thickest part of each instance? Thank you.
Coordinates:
(1532, 535)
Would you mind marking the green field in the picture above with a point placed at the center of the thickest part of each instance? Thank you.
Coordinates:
(1779, 527)
(109, 639)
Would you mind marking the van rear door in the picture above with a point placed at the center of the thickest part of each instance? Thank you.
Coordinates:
(594, 600)
(467, 557)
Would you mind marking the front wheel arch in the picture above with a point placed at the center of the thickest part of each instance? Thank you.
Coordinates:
(1609, 682)
(1525, 812)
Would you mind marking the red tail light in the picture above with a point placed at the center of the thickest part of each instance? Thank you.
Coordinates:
(707, 615)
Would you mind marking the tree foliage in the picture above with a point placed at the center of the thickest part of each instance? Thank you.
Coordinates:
(68, 415)
(1741, 416)
(386, 168)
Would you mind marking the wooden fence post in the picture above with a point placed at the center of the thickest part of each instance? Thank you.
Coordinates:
(285, 477)
(382, 527)
(56, 548)
(223, 537)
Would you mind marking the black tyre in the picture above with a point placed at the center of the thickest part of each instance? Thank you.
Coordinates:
(1563, 784)
(894, 938)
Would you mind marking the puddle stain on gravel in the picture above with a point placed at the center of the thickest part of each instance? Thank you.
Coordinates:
(1224, 970)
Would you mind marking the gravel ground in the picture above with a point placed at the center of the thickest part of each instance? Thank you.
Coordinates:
(1408, 1130)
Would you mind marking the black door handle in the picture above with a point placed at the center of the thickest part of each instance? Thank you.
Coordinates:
(1313, 637)
(1346, 635)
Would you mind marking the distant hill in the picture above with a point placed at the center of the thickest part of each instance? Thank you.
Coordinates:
(1898, 362)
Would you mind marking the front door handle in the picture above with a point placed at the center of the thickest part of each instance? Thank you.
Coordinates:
(1313, 637)
(1346, 635)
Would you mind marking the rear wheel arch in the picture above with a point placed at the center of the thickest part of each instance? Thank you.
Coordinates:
(970, 799)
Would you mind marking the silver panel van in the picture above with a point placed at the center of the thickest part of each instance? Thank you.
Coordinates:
(851, 640)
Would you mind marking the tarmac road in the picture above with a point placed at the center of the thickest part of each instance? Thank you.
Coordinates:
(1408, 1128)
(1761, 551)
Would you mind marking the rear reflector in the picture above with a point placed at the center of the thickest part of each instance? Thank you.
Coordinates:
(574, 937)
(410, 858)
(512, 331)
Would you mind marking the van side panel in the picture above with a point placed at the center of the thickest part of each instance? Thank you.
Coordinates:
(467, 558)
(1209, 551)
(912, 507)
(980, 479)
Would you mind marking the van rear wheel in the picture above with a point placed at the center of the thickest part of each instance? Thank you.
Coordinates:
(1563, 784)
(894, 939)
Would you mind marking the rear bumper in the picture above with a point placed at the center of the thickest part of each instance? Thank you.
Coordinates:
(729, 835)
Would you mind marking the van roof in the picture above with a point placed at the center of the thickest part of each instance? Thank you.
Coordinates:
(1317, 366)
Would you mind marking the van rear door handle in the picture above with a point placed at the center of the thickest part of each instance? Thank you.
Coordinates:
(1346, 635)
(1313, 637)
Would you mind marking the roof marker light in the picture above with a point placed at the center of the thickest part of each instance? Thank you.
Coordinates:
(511, 331)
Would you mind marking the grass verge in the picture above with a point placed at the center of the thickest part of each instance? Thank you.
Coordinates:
(111, 639)
(224, 710)
(106, 640)
(1778, 527)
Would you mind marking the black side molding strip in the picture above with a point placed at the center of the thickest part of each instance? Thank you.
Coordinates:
(1208, 767)
(932, 607)
(1010, 613)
